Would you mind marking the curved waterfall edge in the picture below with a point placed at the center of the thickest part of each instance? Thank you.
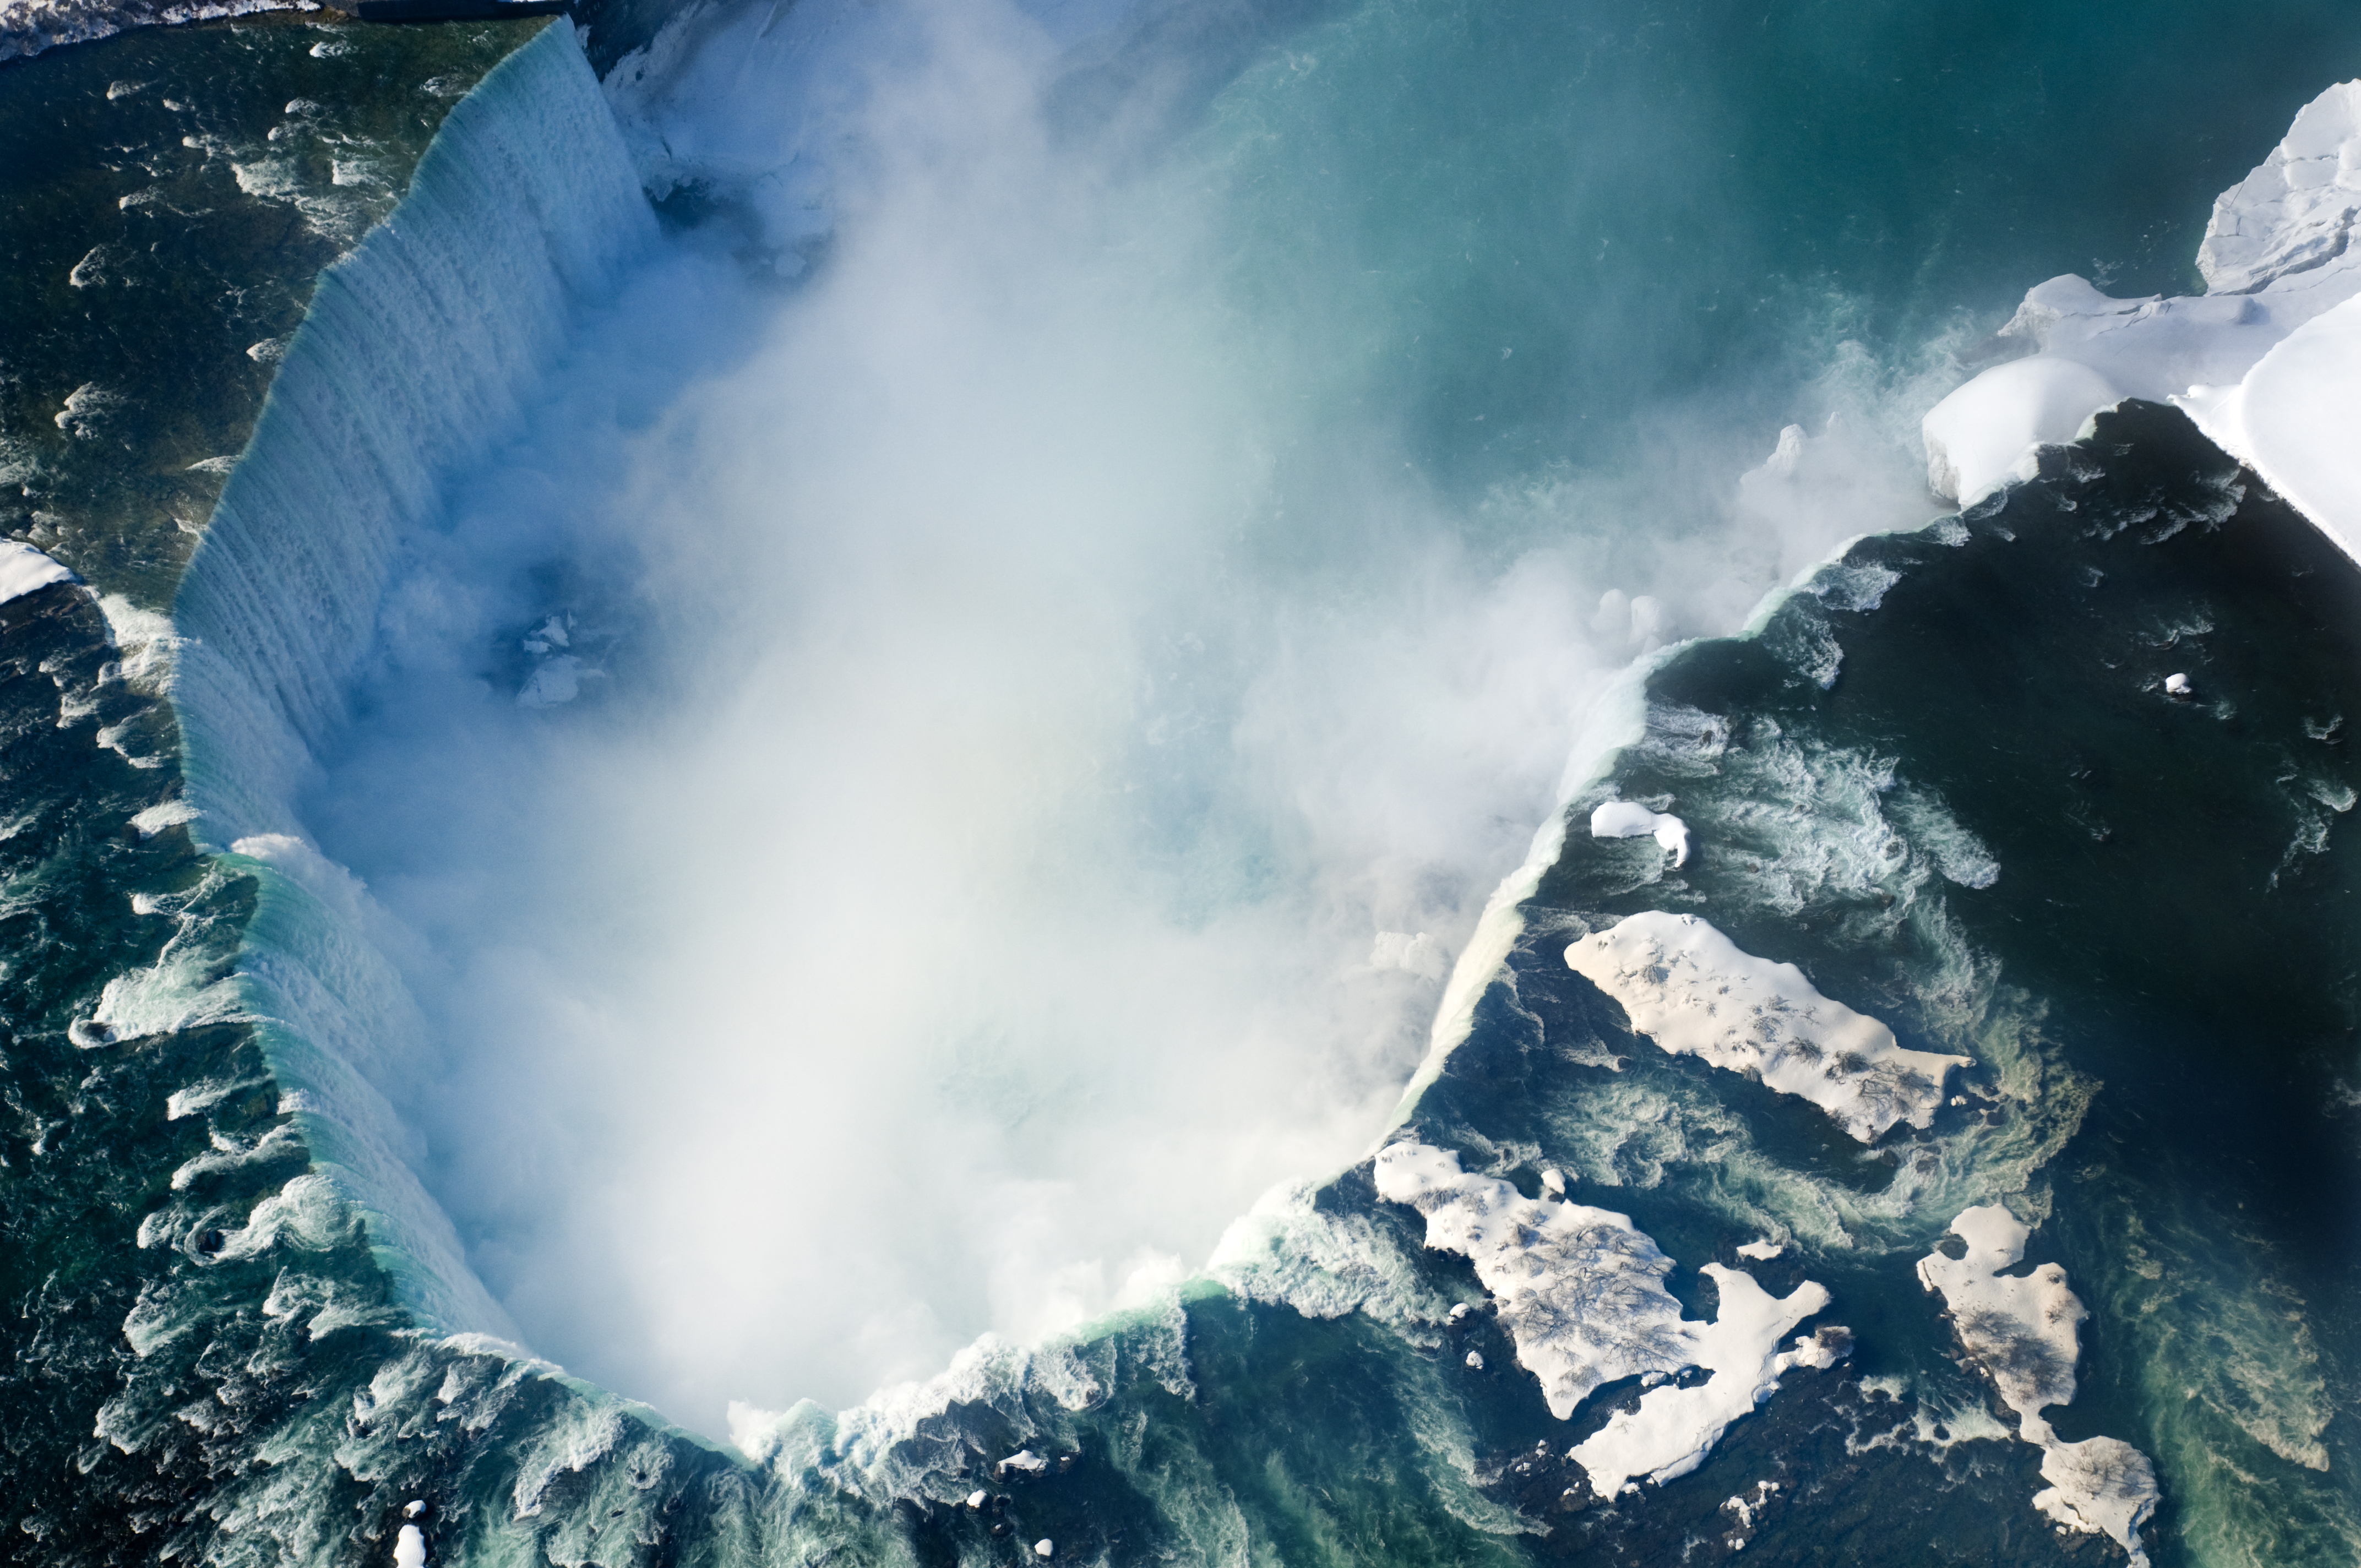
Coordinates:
(418, 354)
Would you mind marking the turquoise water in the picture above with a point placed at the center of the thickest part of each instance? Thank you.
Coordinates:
(1473, 315)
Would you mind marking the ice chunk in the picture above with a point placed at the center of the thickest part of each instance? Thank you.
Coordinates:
(2268, 363)
(2295, 211)
(410, 1548)
(1582, 1294)
(1044, 1548)
(1553, 1182)
(24, 569)
(1761, 1252)
(1475, 1361)
(1025, 1462)
(2020, 1331)
(1696, 993)
(975, 1499)
(1978, 438)
(2176, 685)
(413, 1509)
(1627, 819)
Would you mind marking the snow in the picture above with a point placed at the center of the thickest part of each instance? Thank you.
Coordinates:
(1978, 438)
(2292, 418)
(1581, 1293)
(1628, 820)
(1696, 993)
(2265, 361)
(1675, 1427)
(2021, 1332)
(24, 569)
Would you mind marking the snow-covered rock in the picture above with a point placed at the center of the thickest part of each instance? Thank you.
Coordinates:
(1630, 819)
(2265, 361)
(23, 569)
(1696, 993)
(2022, 1331)
(1581, 1292)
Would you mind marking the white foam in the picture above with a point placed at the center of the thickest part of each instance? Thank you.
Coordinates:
(2020, 1332)
(23, 569)
(1696, 993)
(1581, 1292)
(1628, 820)
(2268, 362)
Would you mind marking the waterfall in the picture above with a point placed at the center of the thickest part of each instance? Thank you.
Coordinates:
(417, 353)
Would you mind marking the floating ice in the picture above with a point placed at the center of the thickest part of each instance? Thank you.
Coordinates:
(1761, 1252)
(1696, 993)
(2267, 361)
(412, 1508)
(1581, 1292)
(24, 569)
(975, 1499)
(410, 1548)
(1475, 1361)
(1628, 820)
(2020, 1332)
(1025, 1462)
(2176, 685)
(1553, 1180)
(1043, 1548)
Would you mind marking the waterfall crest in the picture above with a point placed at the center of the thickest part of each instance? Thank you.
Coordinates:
(416, 356)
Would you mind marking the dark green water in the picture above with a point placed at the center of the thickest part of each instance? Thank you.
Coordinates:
(167, 199)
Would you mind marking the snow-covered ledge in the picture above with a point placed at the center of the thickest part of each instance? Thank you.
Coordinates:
(2267, 361)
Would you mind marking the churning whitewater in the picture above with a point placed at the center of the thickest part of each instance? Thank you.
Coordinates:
(988, 782)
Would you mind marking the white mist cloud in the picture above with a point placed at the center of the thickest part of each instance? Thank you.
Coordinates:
(990, 843)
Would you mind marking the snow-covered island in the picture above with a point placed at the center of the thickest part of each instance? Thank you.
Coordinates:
(1581, 1292)
(1696, 993)
(2267, 360)
(2021, 1332)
